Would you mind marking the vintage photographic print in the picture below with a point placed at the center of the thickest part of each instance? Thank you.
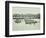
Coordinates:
(24, 18)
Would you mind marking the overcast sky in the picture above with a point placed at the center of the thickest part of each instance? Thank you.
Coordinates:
(25, 10)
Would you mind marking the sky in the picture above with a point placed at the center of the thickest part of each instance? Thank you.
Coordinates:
(25, 10)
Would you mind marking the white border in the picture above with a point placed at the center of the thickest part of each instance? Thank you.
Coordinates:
(25, 32)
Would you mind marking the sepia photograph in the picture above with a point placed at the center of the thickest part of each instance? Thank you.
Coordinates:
(24, 18)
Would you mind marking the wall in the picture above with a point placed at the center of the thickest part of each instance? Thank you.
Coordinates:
(2, 19)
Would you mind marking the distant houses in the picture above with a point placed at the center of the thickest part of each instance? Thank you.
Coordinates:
(27, 18)
(22, 16)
